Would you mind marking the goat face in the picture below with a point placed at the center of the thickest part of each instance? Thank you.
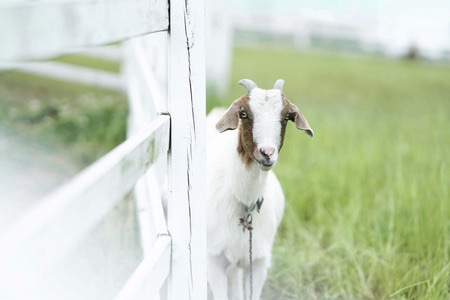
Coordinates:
(262, 116)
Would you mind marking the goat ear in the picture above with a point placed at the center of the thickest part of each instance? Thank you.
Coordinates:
(230, 119)
(300, 121)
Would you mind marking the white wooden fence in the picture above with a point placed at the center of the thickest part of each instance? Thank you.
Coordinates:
(164, 155)
(85, 75)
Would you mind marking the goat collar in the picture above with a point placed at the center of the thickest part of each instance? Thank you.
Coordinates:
(247, 220)
(256, 205)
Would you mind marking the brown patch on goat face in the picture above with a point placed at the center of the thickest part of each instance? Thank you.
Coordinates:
(246, 145)
(287, 114)
(239, 115)
(283, 120)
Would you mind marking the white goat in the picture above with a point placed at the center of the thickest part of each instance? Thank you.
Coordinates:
(239, 178)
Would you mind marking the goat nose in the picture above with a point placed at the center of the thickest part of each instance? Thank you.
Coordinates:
(267, 152)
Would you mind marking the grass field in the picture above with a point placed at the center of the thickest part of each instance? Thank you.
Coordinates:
(368, 212)
(368, 205)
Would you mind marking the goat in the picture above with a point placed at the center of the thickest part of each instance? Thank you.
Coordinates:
(239, 178)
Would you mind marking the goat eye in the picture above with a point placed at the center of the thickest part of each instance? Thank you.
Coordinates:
(243, 115)
(287, 117)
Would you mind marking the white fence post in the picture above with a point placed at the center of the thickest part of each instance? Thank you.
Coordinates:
(187, 168)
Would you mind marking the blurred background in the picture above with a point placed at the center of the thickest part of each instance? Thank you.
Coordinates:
(368, 205)
(410, 29)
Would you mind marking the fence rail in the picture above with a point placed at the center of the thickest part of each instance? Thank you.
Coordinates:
(164, 76)
(40, 29)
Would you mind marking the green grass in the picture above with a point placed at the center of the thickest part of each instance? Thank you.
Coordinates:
(368, 206)
(368, 210)
(84, 122)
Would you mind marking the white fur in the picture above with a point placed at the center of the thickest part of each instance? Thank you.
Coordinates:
(266, 106)
(230, 186)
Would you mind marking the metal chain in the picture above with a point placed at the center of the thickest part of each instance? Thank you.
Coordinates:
(250, 257)
(246, 223)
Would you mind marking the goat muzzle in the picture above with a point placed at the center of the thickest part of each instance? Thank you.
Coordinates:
(267, 157)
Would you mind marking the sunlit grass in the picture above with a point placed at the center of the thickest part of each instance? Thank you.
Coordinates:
(368, 206)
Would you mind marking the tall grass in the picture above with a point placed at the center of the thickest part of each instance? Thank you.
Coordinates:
(368, 206)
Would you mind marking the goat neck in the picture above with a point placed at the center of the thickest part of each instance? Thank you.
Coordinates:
(248, 181)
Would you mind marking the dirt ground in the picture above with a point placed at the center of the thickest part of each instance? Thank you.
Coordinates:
(29, 170)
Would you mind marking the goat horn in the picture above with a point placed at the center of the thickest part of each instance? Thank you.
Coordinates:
(248, 84)
(279, 84)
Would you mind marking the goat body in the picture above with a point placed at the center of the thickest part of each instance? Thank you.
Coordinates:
(239, 174)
